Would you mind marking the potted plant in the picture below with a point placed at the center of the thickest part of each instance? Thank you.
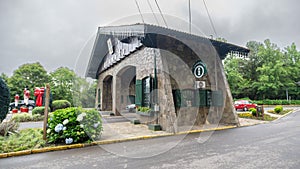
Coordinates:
(145, 111)
(24, 109)
(14, 110)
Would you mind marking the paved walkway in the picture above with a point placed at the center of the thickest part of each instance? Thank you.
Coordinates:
(121, 130)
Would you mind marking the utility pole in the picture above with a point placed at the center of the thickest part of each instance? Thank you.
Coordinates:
(47, 99)
(190, 18)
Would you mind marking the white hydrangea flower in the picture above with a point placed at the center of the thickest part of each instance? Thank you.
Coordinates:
(96, 124)
(69, 140)
(80, 117)
(66, 121)
(58, 128)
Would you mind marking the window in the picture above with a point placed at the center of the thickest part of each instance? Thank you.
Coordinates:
(143, 90)
(146, 92)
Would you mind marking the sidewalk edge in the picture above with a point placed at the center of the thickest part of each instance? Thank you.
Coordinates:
(81, 145)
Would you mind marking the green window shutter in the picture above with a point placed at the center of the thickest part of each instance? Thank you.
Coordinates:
(99, 96)
(177, 98)
(138, 92)
(201, 98)
(217, 98)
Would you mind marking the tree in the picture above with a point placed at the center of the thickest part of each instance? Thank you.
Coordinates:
(4, 77)
(266, 73)
(62, 84)
(84, 93)
(292, 64)
(237, 82)
(31, 75)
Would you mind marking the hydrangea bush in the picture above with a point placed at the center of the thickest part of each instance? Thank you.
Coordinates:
(74, 125)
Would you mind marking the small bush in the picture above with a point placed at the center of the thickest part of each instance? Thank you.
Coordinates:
(74, 125)
(278, 109)
(245, 115)
(37, 117)
(253, 111)
(259, 102)
(144, 109)
(39, 110)
(25, 117)
(8, 128)
(24, 140)
(21, 117)
(60, 104)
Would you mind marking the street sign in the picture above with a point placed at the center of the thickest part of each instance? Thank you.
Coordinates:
(199, 69)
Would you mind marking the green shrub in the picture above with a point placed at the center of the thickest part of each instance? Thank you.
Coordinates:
(268, 102)
(144, 109)
(37, 117)
(253, 111)
(4, 99)
(74, 125)
(21, 117)
(278, 109)
(295, 102)
(245, 115)
(259, 102)
(39, 110)
(24, 140)
(60, 104)
(25, 117)
(8, 128)
(277, 102)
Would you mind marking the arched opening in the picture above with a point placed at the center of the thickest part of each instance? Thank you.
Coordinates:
(107, 93)
(126, 88)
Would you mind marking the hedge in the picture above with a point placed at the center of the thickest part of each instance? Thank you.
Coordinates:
(39, 110)
(60, 104)
(277, 102)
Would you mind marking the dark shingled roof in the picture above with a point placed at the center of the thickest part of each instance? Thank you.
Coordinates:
(143, 31)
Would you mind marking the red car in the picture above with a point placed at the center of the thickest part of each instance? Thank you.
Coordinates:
(244, 105)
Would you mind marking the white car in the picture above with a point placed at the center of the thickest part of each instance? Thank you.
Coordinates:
(131, 107)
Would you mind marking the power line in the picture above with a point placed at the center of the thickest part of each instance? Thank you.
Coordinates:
(139, 11)
(190, 17)
(211, 22)
(161, 14)
(153, 12)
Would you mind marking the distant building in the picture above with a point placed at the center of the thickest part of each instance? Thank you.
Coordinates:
(179, 76)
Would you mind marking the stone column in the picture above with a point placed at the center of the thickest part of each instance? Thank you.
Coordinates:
(115, 99)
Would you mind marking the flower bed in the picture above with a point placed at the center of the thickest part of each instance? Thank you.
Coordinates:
(74, 125)
(249, 115)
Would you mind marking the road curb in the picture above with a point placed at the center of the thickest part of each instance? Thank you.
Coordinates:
(103, 142)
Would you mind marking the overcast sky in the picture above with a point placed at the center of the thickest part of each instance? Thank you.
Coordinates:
(60, 33)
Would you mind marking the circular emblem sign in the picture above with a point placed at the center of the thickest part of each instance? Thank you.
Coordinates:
(199, 69)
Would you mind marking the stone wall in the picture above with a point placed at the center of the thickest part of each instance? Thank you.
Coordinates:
(174, 71)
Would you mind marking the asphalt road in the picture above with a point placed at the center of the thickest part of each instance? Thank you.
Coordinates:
(272, 145)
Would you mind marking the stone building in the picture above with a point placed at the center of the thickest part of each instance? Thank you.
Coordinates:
(177, 77)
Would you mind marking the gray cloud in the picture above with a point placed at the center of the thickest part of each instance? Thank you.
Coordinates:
(60, 32)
